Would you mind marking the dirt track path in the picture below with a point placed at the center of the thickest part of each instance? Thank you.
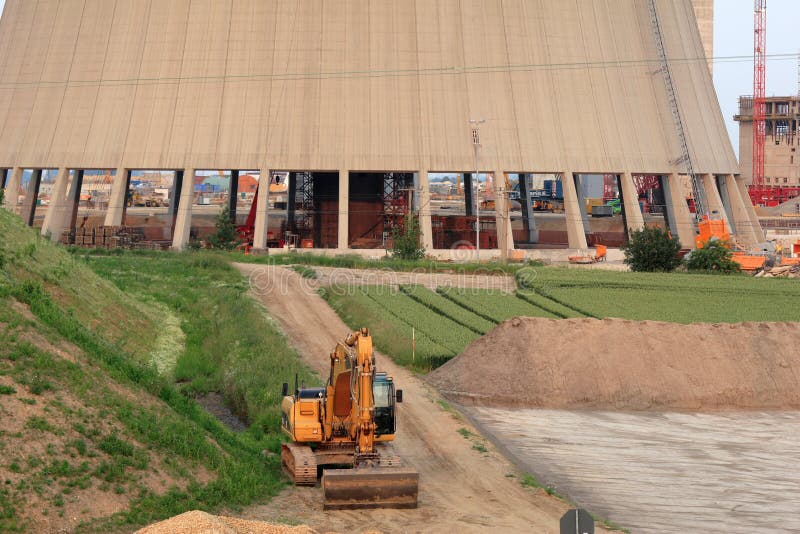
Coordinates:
(461, 488)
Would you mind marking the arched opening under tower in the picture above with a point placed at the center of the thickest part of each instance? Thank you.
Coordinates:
(377, 205)
(151, 202)
(459, 201)
(34, 196)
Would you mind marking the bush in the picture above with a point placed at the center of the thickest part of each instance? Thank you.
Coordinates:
(652, 250)
(716, 256)
(225, 237)
(406, 240)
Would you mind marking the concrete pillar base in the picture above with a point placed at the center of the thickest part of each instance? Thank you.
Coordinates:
(576, 232)
(11, 197)
(633, 212)
(261, 223)
(28, 211)
(746, 233)
(183, 223)
(54, 218)
(716, 208)
(752, 216)
(343, 239)
(425, 224)
(115, 215)
(683, 221)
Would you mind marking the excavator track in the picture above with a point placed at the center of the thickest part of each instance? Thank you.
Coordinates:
(300, 464)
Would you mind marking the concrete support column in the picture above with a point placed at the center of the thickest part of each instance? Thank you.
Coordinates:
(582, 202)
(70, 213)
(745, 231)
(469, 201)
(576, 233)
(716, 208)
(680, 216)
(12, 190)
(262, 211)
(502, 217)
(344, 210)
(630, 197)
(115, 215)
(183, 222)
(31, 193)
(525, 187)
(752, 216)
(54, 218)
(233, 194)
(425, 224)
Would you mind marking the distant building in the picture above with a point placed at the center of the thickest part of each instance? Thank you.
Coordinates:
(783, 118)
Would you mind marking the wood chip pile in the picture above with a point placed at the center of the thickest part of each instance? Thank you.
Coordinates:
(197, 522)
(785, 271)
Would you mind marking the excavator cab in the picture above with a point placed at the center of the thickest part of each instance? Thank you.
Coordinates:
(385, 397)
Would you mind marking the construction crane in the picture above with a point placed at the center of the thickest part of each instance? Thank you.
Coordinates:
(759, 192)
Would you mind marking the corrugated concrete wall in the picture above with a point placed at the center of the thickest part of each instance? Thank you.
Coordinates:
(352, 84)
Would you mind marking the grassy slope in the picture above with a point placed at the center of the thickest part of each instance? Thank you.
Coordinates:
(90, 427)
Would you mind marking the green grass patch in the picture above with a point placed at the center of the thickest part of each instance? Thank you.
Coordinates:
(7, 390)
(231, 346)
(672, 297)
(305, 271)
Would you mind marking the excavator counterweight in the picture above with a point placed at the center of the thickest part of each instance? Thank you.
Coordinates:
(343, 428)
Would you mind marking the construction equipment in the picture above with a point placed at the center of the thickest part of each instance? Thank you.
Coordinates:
(341, 425)
(601, 253)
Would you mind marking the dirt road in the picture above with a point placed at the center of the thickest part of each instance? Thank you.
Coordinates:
(461, 488)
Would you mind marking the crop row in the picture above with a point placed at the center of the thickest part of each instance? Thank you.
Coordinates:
(549, 305)
(681, 305)
(439, 328)
(493, 305)
(448, 308)
(390, 334)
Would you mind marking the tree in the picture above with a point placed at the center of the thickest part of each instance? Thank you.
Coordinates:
(652, 250)
(716, 256)
(406, 240)
(225, 237)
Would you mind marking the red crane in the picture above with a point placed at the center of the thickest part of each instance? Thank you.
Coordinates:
(758, 192)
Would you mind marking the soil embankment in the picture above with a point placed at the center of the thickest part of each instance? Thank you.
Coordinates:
(628, 365)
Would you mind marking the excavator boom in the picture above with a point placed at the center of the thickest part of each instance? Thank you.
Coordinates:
(343, 425)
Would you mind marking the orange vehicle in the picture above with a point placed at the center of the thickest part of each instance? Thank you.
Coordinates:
(717, 229)
(342, 425)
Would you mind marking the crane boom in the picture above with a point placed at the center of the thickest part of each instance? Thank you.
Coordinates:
(759, 98)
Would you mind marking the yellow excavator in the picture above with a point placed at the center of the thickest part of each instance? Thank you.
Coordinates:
(342, 425)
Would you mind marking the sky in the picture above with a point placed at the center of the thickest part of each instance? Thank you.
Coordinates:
(733, 36)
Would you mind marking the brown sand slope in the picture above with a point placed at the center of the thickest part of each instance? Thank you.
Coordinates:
(618, 364)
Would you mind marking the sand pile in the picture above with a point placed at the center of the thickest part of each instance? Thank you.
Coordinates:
(618, 364)
(202, 523)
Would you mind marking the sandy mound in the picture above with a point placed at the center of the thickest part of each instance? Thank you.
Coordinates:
(202, 523)
(618, 364)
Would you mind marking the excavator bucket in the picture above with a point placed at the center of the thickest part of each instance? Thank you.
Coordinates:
(370, 487)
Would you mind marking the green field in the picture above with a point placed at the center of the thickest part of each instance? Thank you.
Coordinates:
(447, 320)
(679, 297)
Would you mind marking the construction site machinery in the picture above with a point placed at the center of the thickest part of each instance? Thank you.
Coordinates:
(342, 425)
